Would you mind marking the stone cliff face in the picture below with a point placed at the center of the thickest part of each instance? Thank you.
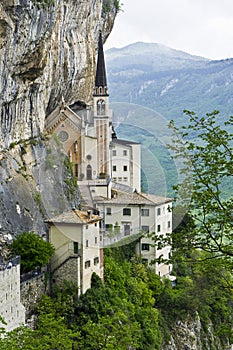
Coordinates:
(46, 54)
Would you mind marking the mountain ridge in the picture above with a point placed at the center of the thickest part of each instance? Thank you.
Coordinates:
(169, 83)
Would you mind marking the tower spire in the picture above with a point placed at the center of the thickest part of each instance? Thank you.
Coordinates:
(100, 79)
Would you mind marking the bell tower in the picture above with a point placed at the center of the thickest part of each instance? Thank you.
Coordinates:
(102, 114)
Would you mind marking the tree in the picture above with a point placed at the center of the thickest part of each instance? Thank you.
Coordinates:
(34, 251)
(207, 153)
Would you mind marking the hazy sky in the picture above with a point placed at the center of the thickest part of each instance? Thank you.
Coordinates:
(200, 27)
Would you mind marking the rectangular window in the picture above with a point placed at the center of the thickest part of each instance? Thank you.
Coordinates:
(114, 168)
(126, 211)
(124, 152)
(145, 229)
(145, 262)
(108, 227)
(159, 211)
(145, 212)
(125, 179)
(108, 211)
(87, 243)
(114, 153)
(76, 170)
(126, 229)
(120, 179)
(96, 240)
(145, 246)
(87, 264)
(158, 228)
(96, 261)
(125, 168)
(169, 224)
(75, 245)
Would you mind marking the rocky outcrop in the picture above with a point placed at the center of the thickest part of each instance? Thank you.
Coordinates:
(47, 53)
(191, 335)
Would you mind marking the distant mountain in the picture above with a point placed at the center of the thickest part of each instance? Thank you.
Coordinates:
(169, 80)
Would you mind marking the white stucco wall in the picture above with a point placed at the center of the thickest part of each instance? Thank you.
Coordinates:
(63, 236)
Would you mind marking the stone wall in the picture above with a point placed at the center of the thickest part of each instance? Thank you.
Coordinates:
(68, 271)
(11, 308)
(32, 291)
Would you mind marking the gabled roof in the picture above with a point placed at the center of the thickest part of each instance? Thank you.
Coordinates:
(134, 198)
(74, 216)
(60, 114)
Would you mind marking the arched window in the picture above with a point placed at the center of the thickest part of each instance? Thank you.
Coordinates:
(100, 107)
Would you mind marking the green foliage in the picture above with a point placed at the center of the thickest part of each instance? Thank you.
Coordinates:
(69, 179)
(207, 163)
(133, 308)
(109, 5)
(34, 251)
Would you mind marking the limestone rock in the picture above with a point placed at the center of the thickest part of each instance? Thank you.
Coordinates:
(46, 53)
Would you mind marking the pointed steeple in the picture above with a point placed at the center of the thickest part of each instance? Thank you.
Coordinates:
(100, 79)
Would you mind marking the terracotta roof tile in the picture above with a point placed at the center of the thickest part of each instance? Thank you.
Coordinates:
(74, 216)
(134, 199)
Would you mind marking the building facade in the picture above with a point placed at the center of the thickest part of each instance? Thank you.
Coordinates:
(76, 238)
(128, 214)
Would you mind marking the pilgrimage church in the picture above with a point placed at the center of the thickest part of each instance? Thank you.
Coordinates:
(108, 172)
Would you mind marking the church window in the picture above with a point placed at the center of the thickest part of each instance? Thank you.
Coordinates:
(100, 107)
(125, 152)
(63, 136)
(76, 146)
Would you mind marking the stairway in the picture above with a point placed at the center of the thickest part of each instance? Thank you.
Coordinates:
(86, 197)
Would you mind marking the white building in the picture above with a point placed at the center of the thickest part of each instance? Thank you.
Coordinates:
(76, 237)
(132, 213)
(11, 308)
(126, 163)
